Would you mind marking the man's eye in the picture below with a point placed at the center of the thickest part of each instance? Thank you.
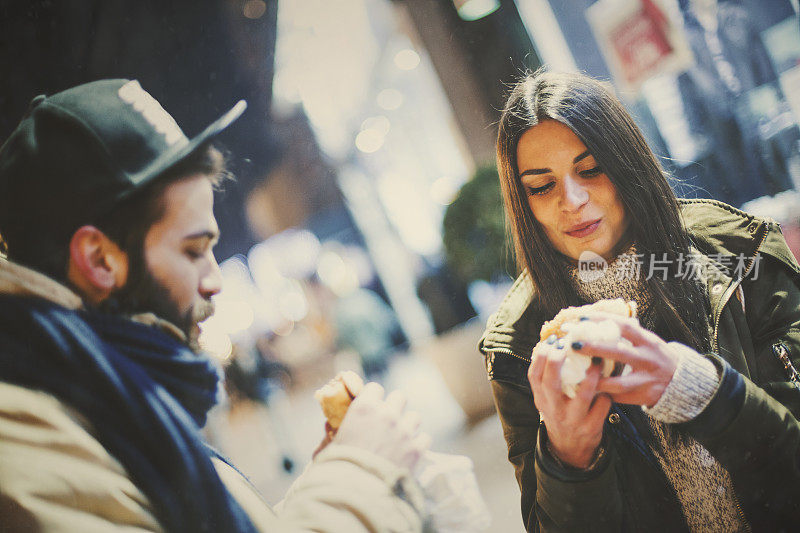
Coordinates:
(592, 172)
(193, 254)
(540, 190)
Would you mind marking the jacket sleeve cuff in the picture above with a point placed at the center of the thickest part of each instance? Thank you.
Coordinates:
(578, 500)
(550, 465)
(691, 389)
(724, 406)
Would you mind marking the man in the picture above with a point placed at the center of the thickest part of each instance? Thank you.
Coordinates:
(106, 217)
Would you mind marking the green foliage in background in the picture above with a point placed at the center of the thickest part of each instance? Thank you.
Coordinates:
(474, 230)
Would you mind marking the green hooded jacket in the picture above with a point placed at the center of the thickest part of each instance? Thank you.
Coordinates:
(751, 425)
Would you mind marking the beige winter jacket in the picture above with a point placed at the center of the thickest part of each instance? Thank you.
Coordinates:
(55, 476)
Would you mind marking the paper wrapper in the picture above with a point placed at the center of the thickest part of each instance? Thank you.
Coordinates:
(453, 502)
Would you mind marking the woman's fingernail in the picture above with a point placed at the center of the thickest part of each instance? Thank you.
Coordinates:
(551, 339)
(560, 344)
(577, 345)
(583, 319)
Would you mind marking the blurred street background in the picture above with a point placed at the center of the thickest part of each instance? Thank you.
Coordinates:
(364, 229)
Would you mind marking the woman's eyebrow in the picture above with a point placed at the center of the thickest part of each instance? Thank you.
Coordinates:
(535, 171)
(581, 156)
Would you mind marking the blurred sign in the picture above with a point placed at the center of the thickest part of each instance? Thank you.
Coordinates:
(470, 10)
(638, 40)
(783, 44)
(790, 84)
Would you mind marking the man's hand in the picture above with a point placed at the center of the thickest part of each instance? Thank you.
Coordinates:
(574, 426)
(383, 428)
(651, 360)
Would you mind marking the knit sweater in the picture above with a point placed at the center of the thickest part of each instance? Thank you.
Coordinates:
(701, 484)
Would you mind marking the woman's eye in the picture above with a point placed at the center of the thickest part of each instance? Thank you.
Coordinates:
(589, 173)
(540, 190)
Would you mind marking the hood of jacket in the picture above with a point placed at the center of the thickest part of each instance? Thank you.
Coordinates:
(714, 227)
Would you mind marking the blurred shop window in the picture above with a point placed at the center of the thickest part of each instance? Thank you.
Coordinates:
(733, 101)
(782, 41)
(706, 76)
(380, 114)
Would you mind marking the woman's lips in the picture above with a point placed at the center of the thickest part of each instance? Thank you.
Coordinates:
(583, 230)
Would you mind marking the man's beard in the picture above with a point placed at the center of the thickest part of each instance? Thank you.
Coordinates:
(143, 293)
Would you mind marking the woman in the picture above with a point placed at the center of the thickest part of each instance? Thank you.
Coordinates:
(702, 433)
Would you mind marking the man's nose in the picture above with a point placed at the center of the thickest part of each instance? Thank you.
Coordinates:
(574, 194)
(211, 282)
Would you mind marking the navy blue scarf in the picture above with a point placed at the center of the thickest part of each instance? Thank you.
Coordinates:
(145, 393)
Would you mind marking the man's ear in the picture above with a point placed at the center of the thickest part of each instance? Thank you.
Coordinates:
(97, 266)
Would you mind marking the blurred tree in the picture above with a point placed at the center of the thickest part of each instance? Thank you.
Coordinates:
(474, 230)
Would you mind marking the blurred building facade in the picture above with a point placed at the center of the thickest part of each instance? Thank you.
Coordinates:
(366, 117)
(723, 115)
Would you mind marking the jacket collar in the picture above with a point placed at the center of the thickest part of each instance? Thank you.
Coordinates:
(18, 280)
(715, 228)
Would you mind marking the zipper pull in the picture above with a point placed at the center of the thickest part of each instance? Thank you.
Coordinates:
(780, 351)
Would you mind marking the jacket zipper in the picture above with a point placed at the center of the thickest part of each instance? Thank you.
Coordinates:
(717, 316)
(741, 513)
(735, 286)
(509, 352)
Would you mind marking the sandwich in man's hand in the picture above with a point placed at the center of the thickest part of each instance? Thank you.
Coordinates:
(335, 396)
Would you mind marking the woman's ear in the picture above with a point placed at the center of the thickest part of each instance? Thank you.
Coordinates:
(97, 266)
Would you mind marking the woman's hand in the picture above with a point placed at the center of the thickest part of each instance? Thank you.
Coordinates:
(574, 426)
(651, 361)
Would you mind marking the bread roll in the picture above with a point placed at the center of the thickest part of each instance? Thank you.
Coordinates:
(617, 306)
(335, 396)
(570, 325)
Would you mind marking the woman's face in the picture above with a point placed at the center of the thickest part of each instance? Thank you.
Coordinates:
(568, 193)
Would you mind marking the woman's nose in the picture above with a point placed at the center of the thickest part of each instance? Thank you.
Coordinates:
(574, 194)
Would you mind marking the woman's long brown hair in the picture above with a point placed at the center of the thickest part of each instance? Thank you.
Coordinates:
(589, 108)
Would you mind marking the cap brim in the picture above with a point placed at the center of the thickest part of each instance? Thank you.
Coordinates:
(221, 123)
(182, 151)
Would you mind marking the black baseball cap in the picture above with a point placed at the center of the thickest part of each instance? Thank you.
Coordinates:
(78, 153)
